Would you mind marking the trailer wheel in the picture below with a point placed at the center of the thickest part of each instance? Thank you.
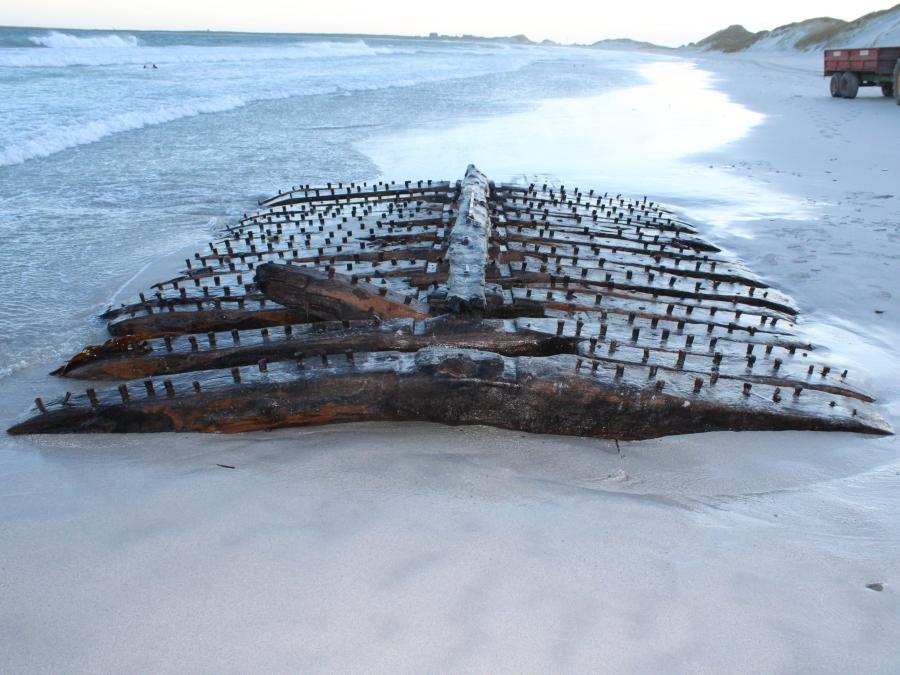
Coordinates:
(897, 81)
(835, 85)
(887, 89)
(849, 85)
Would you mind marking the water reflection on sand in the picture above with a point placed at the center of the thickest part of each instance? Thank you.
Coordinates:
(647, 139)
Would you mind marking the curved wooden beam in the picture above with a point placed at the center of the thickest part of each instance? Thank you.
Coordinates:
(329, 296)
(558, 394)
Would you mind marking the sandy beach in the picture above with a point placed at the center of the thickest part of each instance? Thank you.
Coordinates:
(420, 547)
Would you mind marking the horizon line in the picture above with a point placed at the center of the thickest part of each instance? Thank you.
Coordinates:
(333, 34)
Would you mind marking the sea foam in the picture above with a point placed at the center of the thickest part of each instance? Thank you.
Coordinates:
(61, 50)
(57, 40)
(63, 138)
(192, 80)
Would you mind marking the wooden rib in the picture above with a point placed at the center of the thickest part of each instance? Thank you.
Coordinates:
(559, 393)
(125, 359)
(329, 296)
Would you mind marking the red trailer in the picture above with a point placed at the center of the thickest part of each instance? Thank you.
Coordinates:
(851, 69)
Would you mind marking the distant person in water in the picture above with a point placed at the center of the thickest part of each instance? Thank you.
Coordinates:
(150, 65)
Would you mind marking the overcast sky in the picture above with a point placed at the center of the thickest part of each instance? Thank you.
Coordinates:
(665, 22)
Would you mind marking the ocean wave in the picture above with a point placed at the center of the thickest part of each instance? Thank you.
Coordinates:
(39, 138)
(13, 364)
(62, 54)
(64, 138)
(56, 40)
(38, 353)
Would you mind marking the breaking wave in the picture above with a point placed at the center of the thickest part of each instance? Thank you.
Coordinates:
(196, 88)
(63, 138)
(115, 50)
(56, 40)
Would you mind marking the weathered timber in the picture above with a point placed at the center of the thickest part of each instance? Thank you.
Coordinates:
(468, 245)
(330, 297)
(175, 323)
(532, 394)
(542, 308)
(400, 335)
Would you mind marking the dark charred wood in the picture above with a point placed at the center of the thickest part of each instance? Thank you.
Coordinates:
(109, 350)
(331, 297)
(434, 193)
(176, 323)
(403, 335)
(548, 395)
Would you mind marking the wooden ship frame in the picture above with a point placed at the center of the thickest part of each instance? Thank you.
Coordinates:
(534, 307)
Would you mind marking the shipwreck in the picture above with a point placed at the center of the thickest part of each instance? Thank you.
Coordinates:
(543, 308)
